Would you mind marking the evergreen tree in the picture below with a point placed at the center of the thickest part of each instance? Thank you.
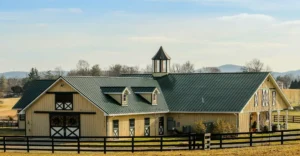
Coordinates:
(297, 84)
(33, 75)
(293, 85)
(95, 71)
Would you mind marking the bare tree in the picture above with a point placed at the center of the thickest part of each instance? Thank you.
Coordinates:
(148, 69)
(187, 67)
(255, 66)
(210, 70)
(58, 71)
(286, 80)
(96, 71)
(115, 70)
(176, 68)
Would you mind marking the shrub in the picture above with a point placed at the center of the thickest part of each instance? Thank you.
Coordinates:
(199, 127)
(254, 124)
(274, 127)
(222, 126)
(266, 128)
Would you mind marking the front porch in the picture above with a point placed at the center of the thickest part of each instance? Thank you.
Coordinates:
(262, 121)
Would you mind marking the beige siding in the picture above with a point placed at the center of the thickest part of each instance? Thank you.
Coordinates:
(293, 95)
(90, 124)
(139, 124)
(61, 86)
(244, 122)
(280, 104)
(189, 119)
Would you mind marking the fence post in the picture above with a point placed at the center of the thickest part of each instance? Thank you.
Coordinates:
(78, 145)
(251, 139)
(132, 144)
(52, 143)
(221, 141)
(190, 141)
(4, 144)
(194, 142)
(27, 141)
(281, 137)
(161, 143)
(104, 145)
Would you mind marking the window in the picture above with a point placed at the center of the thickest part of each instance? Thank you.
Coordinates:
(124, 97)
(157, 66)
(64, 101)
(131, 122)
(131, 127)
(22, 117)
(255, 99)
(147, 127)
(274, 98)
(154, 97)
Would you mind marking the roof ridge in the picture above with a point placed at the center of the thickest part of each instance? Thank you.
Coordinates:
(220, 73)
(116, 77)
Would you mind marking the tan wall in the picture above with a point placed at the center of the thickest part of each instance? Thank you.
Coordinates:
(293, 95)
(244, 122)
(189, 119)
(139, 124)
(280, 104)
(21, 124)
(38, 124)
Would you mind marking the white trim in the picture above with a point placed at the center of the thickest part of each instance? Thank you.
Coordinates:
(204, 112)
(116, 93)
(138, 113)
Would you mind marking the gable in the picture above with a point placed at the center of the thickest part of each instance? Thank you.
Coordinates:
(269, 85)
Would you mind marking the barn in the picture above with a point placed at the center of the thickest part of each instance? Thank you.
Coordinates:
(148, 104)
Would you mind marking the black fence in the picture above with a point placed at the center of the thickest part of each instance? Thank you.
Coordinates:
(150, 143)
(8, 123)
(291, 119)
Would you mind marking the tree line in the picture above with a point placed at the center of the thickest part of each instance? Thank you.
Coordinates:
(16, 86)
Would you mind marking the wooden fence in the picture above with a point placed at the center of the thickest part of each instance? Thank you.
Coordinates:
(150, 143)
(8, 123)
(291, 118)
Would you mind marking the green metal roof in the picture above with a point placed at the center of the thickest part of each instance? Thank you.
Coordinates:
(90, 88)
(35, 88)
(110, 89)
(196, 92)
(209, 92)
(143, 89)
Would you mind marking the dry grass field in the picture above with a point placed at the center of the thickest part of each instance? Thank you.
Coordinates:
(278, 150)
(5, 107)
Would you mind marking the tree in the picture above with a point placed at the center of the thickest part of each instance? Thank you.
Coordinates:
(148, 69)
(187, 67)
(95, 71)
(58, 71)
(49, 75)
(33, 74)
(17, 90)
(286, 80)
(3, 85)
(255, 66)
(210, 70)
(115, 70)
(83, 68)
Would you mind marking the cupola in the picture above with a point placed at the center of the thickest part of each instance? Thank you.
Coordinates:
(161, 63)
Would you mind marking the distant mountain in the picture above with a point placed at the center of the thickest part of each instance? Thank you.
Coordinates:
(15, 74)
(230, 68)
(21, 74)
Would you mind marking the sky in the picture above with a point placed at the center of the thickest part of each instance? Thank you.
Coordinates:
(57, 33)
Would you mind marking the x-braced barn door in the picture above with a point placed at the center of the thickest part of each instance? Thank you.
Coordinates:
(116, 128)
(147, 127)
(161, 126)
(62, 125)
(131, 127)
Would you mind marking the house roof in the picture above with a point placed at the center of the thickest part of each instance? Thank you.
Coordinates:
(209, 92)
(112, 89)
(143, 89)
(35, 88)
(195, 92)
(161, 55)
(90, 88)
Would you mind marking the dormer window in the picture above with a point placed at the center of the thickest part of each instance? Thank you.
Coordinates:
(119, 94)
(147, 93)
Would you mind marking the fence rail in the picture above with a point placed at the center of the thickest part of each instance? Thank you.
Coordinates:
(151, 143)
(291, 118)
(9, 123)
